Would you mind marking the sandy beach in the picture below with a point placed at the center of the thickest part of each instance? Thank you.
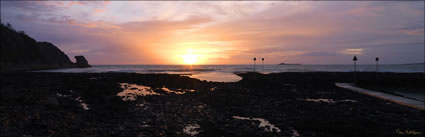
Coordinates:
(277, 104)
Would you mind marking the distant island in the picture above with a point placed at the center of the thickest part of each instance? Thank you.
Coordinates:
(20, 52)
(413, 63)
(289, 64)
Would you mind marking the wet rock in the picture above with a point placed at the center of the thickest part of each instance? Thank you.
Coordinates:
(51, 101)
(201, 113)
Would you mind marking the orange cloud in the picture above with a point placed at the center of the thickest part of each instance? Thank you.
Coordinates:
(352, 51)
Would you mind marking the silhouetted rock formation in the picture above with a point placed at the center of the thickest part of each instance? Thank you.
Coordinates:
(81, 62)
(53, 56)
(19, 52)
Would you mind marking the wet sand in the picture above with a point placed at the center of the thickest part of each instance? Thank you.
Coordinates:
(126, 104)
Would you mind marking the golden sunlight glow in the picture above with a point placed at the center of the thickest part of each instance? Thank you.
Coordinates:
(190, 59)
(197, 52)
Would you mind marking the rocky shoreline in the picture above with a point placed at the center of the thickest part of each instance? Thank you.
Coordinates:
(282, 104)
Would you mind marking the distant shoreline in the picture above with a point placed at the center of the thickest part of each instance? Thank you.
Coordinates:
(414, 64)
(289, 64)
(218, 70)
(234, 64)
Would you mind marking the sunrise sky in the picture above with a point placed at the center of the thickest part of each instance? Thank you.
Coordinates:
(231, 32)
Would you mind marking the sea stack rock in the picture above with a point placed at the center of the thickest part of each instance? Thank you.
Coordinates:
(81, 62)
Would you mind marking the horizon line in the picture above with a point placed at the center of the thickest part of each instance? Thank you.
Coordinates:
(253, 64)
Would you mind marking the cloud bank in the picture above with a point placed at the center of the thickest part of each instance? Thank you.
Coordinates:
(226, 32)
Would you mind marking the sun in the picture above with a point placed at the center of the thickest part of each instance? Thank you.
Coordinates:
(191, 56)
(190, 59)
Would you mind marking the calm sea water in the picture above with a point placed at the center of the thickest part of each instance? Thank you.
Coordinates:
(225, 73)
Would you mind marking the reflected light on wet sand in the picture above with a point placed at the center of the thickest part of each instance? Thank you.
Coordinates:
(217, 77)
(173, 91)
(131, 91)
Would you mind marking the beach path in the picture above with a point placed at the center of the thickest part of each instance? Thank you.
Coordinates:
(392, 98)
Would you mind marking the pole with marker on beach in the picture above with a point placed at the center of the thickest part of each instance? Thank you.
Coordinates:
(355, 69)
(262, 64)
(376, 72)
(254, 63)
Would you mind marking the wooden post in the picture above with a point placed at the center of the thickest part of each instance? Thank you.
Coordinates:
(262, 64)
(376, 72)
(355, 69)
(254, 63)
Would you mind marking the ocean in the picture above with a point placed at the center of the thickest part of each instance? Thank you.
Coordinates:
(225, 73)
